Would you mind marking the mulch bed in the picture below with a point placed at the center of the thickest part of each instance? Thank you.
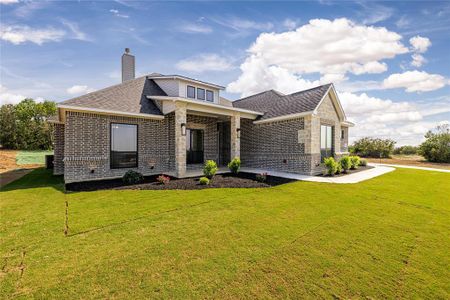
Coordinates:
(242, 180)
(349, 172)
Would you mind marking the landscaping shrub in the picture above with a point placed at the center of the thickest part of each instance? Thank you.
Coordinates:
(262, 177)
(363, 162)
(132, 177)
(234, 165)
(331, 166)
(355, 162)
(163, 179)
(210, 168)
(373, 147)
(406, 150)
(204, 181)
(345, 163)
(338, 168)
(436, 147)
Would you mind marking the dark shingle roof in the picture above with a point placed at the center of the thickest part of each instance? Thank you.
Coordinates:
(274, 104)
(129, 97)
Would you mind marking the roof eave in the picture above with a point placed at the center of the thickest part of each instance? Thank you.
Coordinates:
(109, 112)
(216, 86)
(181, 99)
(284, 117)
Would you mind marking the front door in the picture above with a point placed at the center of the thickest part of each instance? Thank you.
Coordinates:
(194, 146)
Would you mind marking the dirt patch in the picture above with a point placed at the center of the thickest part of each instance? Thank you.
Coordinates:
(8, 161)
(360, 169)
(242, 180)
(410, 160)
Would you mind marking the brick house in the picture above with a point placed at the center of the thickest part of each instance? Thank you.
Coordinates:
(171, 124)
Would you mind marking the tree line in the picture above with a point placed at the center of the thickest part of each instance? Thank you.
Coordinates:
(435, 148)
(25, 125)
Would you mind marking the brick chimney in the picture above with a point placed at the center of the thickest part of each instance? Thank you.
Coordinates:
(128, 68)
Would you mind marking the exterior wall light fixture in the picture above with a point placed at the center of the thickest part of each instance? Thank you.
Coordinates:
(183, 129)
(238, 132)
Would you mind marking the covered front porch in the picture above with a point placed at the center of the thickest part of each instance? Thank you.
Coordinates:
(205, 132)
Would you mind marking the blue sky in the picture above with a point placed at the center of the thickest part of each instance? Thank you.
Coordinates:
(389, 60)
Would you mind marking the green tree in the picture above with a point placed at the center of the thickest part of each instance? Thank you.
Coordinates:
(373, 147)
(25, 125)
(436, 147)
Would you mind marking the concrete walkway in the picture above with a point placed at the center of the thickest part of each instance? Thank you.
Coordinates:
(410, 167)
(351, 178)
(12, 175)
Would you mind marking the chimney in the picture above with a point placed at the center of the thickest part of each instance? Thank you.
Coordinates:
(128, 68)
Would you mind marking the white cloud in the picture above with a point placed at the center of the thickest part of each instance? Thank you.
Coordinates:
(79, 89)
(321, 46)
(116, 13)
(415, 81)
(204, 62)
(290, 24)
(403, 122)
(420, 44)
(418, 60)
(77, 33)
(18, 34)
(403, 22)
(194, 28)
(12, 97)
(239, 24)
(8, 1)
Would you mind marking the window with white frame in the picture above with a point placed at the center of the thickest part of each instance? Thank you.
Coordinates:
(190, 92)
(200, 94)
(209, 96)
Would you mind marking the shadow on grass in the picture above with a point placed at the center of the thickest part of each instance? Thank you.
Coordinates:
(40, 177)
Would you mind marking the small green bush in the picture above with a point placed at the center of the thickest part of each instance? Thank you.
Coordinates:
(132, 177)
(355, 162)
(338, 168)
(210, 168)
(331, 166)
(234, 165)
(204, 181)
(345, 163)
(262, 177)
(163, 179)
(363, 162)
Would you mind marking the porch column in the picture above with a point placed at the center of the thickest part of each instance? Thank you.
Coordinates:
(180, 140)
(235, 149)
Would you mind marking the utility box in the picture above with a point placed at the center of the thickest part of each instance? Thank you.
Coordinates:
(49, 161)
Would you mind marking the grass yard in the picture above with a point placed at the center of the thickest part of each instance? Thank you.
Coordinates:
(31, 157)
(388, 237)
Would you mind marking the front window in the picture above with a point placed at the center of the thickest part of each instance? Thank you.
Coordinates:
(123, 146)
(209, 96)
(326, 141)
(200, 94)
(191, 91)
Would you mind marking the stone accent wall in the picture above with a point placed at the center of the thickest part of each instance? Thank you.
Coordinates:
(87, 146)
(58, 137)
(211, 135)
(278, 146)
(180, 139)
(344, 141)
(235, 125)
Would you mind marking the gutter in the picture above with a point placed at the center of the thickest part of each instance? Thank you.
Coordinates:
(285, 117)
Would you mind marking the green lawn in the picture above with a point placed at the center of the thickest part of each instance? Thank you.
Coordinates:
(384, 238)
(31, 157)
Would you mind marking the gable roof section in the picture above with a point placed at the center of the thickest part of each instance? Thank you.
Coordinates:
(127, 97)
(275, 104)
